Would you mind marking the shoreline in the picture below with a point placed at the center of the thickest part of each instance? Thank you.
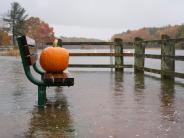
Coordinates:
(10, 52)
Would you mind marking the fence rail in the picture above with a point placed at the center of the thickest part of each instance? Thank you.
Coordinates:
(102, 54)
(99, 66)
(167, 56)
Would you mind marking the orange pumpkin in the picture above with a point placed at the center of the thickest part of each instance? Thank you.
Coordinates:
(54, 59)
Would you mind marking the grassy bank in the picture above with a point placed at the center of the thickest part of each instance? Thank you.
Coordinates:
(10, 52)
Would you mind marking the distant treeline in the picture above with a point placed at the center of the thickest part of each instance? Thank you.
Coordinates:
(79, 39)
(150, 33)
(78, 46)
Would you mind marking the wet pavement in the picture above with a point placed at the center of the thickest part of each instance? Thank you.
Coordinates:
(101, 104)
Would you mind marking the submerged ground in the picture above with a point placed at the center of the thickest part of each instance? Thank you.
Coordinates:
(102, 104)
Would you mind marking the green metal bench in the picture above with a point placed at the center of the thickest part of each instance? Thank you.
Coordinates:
(29, 56)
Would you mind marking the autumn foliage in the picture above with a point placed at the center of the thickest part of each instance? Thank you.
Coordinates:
(150, 33)
(40, 31)
(4, 38)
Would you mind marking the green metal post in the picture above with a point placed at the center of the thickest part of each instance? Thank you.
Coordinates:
(168, 61)
(118, 50)
(41, 95)
(139, 55)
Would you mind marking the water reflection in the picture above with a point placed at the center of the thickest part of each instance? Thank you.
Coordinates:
(118, 82)
(139, 81)
(139, 87)
(167, 99)
(52, 121)
(103, 104)
(17, 77)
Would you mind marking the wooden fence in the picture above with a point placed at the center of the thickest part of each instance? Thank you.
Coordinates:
(167, 56)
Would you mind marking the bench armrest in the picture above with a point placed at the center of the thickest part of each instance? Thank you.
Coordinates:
(35, 67)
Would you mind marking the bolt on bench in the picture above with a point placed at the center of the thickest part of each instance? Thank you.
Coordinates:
(29, 56)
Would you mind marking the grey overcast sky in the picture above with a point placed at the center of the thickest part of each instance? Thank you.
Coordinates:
(101, 18)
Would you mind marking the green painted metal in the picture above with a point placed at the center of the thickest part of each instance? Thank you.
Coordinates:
(41, 86)
(21, 43)
(37, 70)
(41, 95)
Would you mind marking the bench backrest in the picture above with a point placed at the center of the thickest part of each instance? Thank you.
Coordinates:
(28, 50)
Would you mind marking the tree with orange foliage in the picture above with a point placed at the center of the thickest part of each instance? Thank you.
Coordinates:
(4, 38)
(180, 32)
(40, 31)
(171, 31)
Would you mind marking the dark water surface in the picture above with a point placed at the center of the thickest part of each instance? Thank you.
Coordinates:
(102, 104)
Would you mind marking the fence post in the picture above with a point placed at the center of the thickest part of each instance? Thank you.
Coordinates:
(139, 55)
(118, 50)
(168, 61)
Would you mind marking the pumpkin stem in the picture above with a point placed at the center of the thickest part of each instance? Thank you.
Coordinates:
(55, 43)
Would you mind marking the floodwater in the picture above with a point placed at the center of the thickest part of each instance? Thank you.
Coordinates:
(101, 104)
